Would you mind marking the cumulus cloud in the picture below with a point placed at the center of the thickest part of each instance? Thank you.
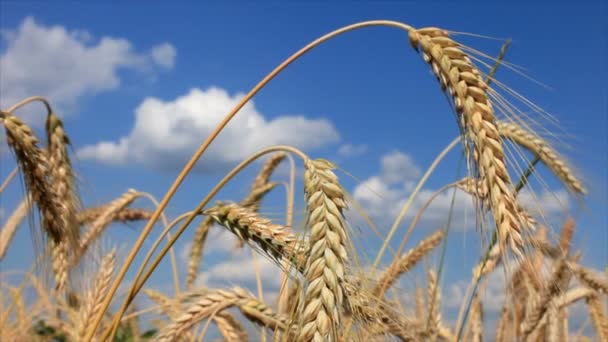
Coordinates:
(350, 150)
(64, 65)
(166, 133)
(383, 195)
(164, 55)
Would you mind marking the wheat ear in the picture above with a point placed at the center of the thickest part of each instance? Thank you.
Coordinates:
(209, 305)
(274, 239)
(327, 256)
(95, 297)
(87, 216)
(462, 80)
(104, 219)
(62, 176)
(35, 168)
(540, 307)
(541, 148)
(407, 261)
(599, 318)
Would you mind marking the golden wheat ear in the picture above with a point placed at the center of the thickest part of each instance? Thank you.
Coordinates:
(327, 256)
(463, 82)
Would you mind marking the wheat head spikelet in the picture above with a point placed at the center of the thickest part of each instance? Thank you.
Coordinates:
(539, 307)
(210, 304)
(87, 216)
(35, 167)
(62, 176)
(94, 298)
(274, 239)
(599, 318)
(462, 80)
(407, 261)
(103, 221)
(542, 149)
(319, 314)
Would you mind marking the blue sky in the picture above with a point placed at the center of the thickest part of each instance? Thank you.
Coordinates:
(122, 74)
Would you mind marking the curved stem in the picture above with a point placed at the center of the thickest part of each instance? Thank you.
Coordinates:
(137, 282)
(9, 179)
(188, 167)
(28, 100)
(409, 202)
(172, 251)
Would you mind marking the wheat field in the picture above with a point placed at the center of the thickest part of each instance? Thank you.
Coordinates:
(332, 289)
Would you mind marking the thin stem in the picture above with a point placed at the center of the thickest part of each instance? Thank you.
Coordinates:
(197, 155)
(9, 179)
(501, 55)
(523, 180)
(28, 100)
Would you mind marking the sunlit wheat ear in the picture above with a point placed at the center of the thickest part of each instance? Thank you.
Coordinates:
(104, 219)
(542, 149)
(62, 176)
(96, 294)
(599, 318)
(462, 80)
(407, 261)
(34, 165)
(327, 256)
(12, 223)
(87, 216)
(591, 278)
(553, 288)
(274, 239)
(211, 304)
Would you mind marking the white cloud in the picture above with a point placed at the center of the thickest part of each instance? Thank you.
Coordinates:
(350, 150)
(64, 65)
(166, 133)
(397, 167)
(164, 55)
(383, 195)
